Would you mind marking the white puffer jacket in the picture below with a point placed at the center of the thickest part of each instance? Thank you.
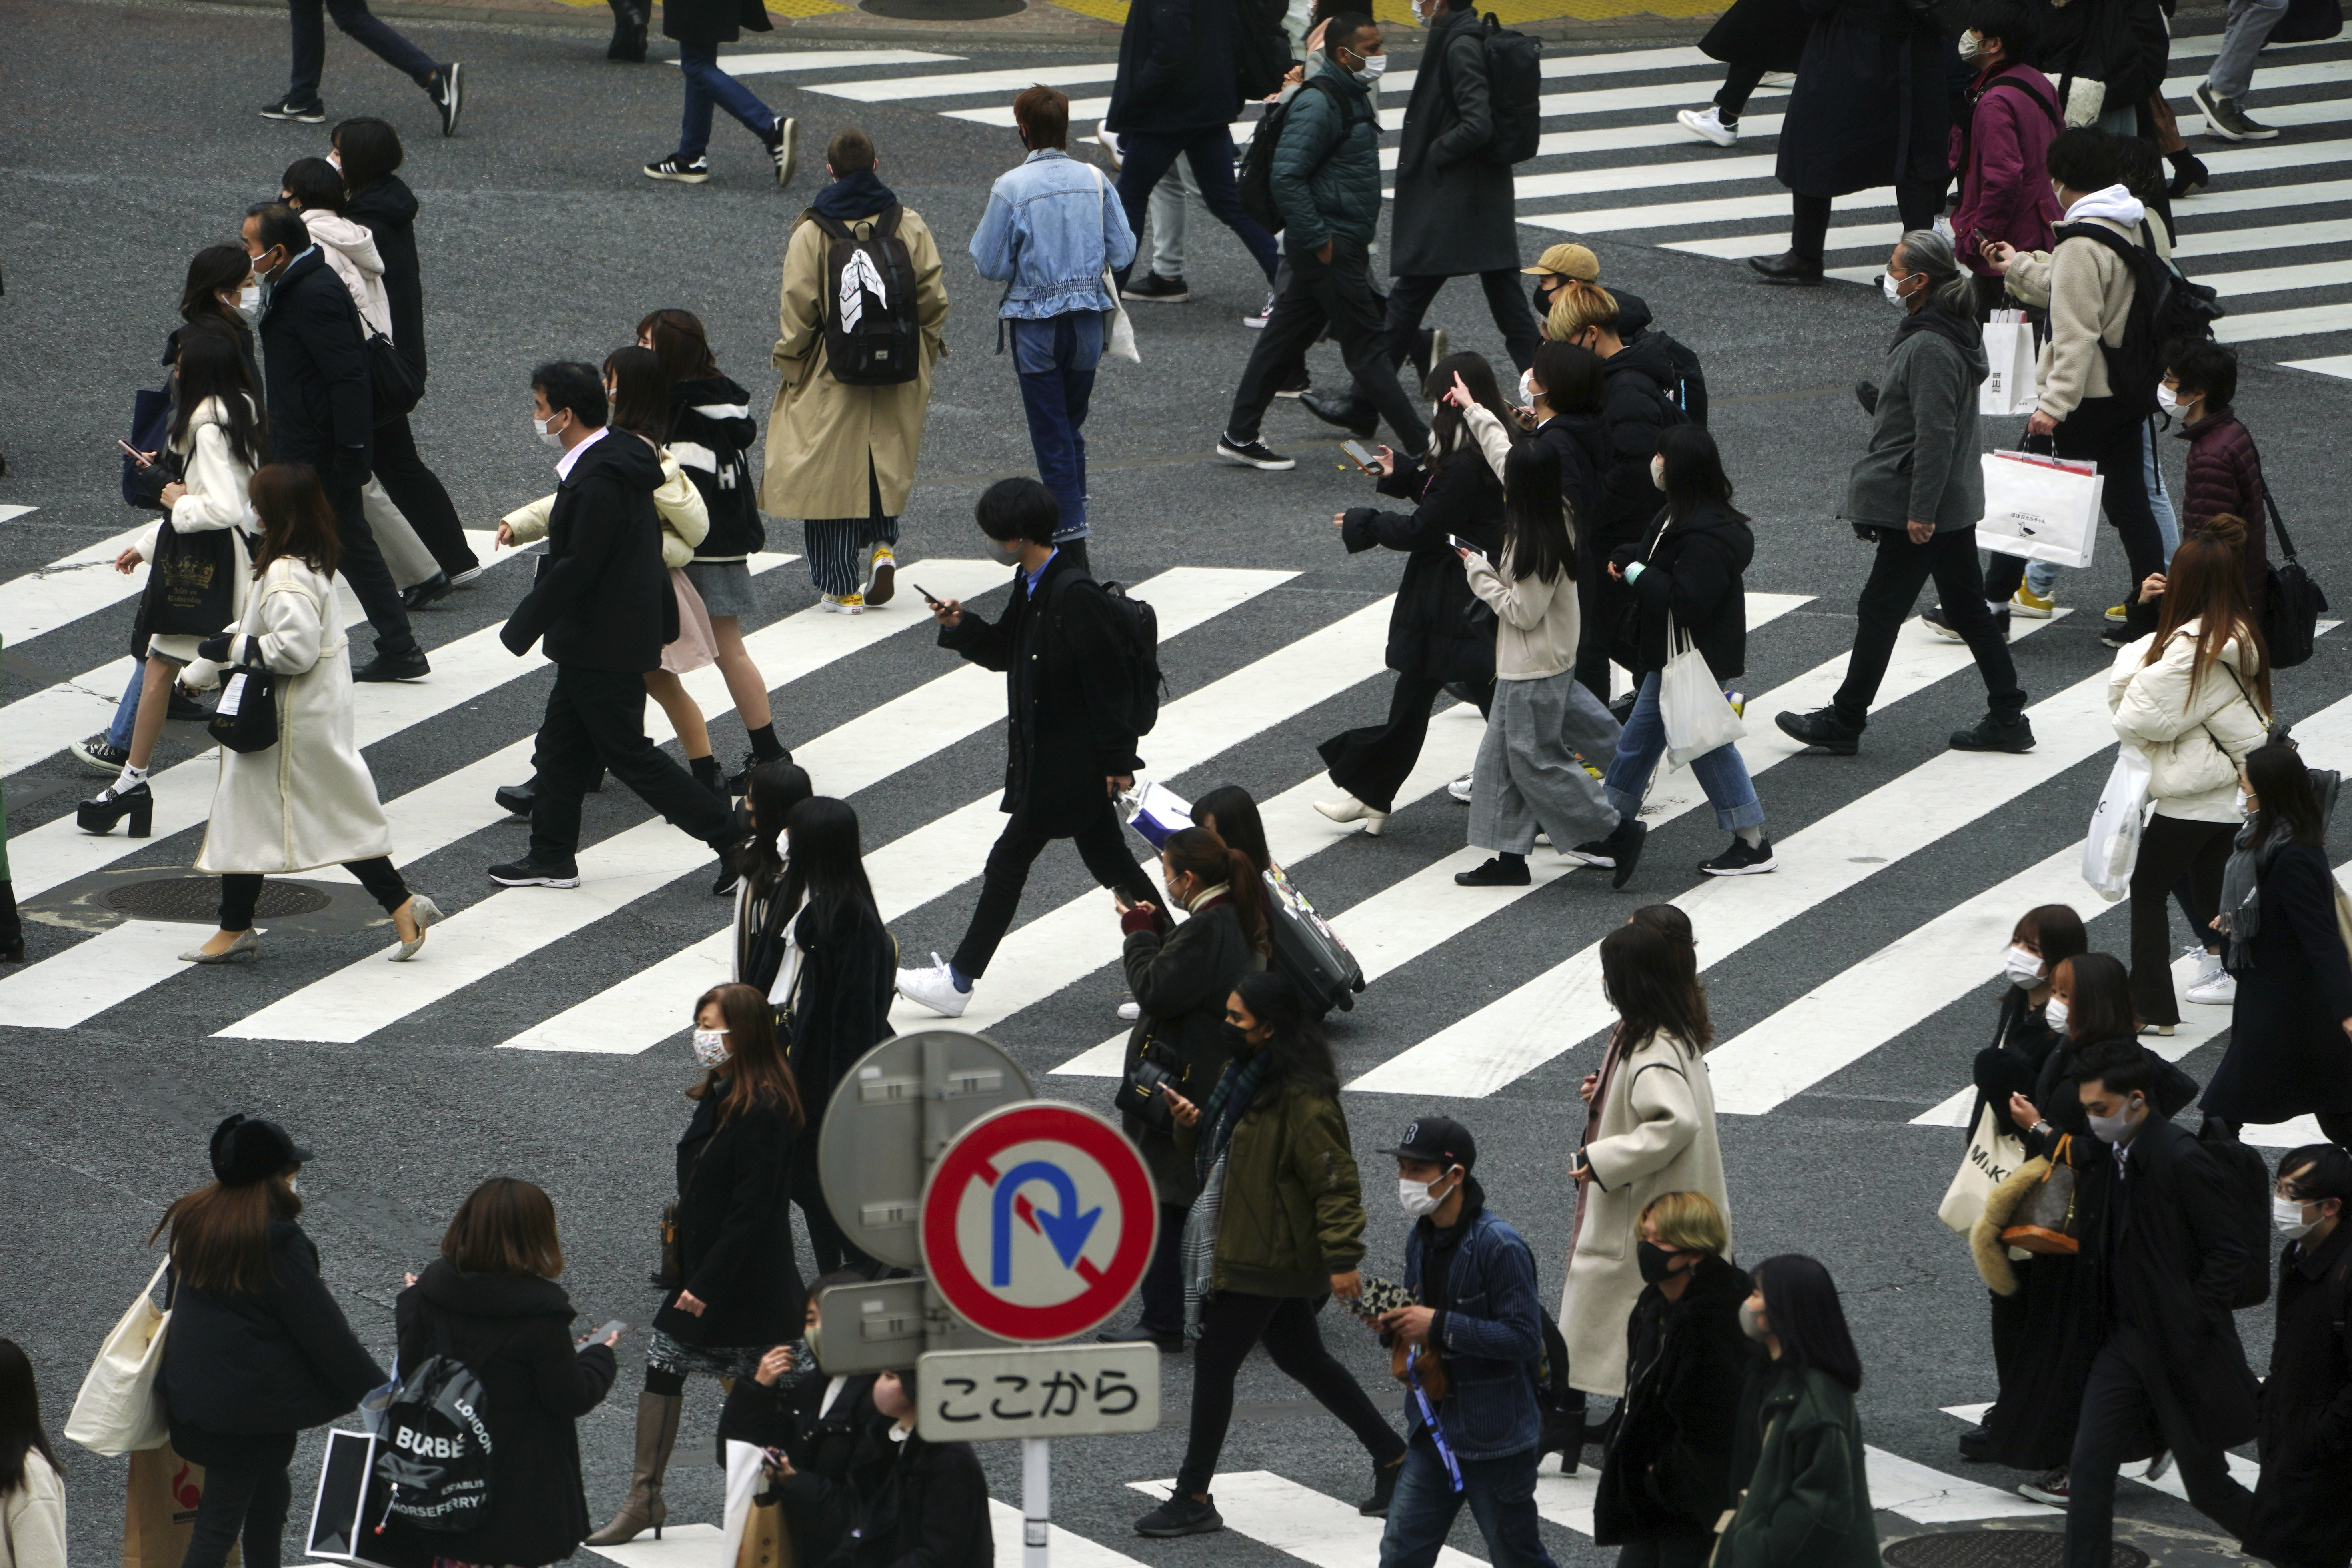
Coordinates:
(2195, 740)
(349, 249)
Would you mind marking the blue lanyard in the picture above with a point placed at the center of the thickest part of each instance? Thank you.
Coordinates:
(1429, 1417)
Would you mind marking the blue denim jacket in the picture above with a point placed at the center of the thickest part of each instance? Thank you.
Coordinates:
(1049, 234)
(1490, 1335)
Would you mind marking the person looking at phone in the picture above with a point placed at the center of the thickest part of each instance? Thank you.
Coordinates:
(2014, 116)
(799, 1427)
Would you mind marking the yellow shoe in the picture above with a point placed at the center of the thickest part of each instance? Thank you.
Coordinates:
(2026, 601)
(846, 604)
(2118, 614)
(881, 576)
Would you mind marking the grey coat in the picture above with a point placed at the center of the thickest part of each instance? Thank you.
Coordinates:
(1453, 206)
(1922, 458)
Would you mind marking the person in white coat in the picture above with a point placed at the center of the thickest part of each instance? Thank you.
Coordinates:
(2196, 698)
(308, 801)
(32, 1498)
(1650, 1130)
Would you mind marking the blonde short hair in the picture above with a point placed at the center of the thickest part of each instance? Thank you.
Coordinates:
(1577, 305)
(1690, 1221)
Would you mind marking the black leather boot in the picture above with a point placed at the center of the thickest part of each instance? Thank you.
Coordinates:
(1788, 267)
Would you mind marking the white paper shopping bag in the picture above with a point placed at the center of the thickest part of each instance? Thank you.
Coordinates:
(2011, 385)
(2044, 509)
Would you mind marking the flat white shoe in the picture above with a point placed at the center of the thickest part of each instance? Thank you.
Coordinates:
(424, 912)
(1128, 1012)
(1350, 809)
(1460, 788)
(934, 987)
(2221, 991)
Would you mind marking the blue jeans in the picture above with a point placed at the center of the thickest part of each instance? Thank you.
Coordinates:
(1721, 773)
(707, 86)
(1055, 358)
(2041, 574)
(1145, 156)
(1501, 1494)
(117, 734)
(363, 26)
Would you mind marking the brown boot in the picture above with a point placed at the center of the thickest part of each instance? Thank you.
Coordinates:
(656, 1435)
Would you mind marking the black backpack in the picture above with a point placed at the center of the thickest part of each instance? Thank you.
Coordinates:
(2249, 1182)
(883, 346)
(1514, 92)
(1138, 623)
(2166, 309)
(435, 1457)
(1261, 48)
(1688, 395)
(1257, 177)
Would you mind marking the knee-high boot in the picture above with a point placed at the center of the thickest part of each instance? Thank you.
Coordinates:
(658, 1416)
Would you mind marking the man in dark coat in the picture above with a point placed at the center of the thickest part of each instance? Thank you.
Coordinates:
(700, 26)
(1176, 96)
(2225, 468)
(2169, 1252)
(322, 412)
(2299, 1515)
(601, 599)
(1069, 746)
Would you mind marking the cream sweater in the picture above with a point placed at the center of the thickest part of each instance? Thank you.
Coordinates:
(2088, 290)
(1536, 638)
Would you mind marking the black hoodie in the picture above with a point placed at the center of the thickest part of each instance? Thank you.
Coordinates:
(1696, 575)
(388, 207)
(603, 597)
(710, 430)
(1634, 324)
(1668, 1470)
(1634, 406)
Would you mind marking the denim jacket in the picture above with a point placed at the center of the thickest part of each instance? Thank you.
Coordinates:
(1049, 232)
(1490, 1336)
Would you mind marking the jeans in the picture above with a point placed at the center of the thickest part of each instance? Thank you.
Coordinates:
(362, 565)
(1056, 359)
(1170, 216)
(1102, 845)
(2118, 447)
(1316, 293)
(1896, 575)
(2040, 575)
(1232, 1323)
(241, 1500)
(417, 493)
(1370, 763)
(2173, 848)
(2242, 36)
(1507, 301)
(1162, 1305)
(1501, 1494)
(117, 734)
(706, 86)
(363, 27)
(1722, 773)
(241, 890)
(1145, 156)
(598, 716)
(2117, 1412)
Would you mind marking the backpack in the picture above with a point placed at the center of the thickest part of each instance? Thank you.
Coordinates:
(1261, 47)
(2166, 308)
(1138, 623)
(1256, 175)
(2249, 1181)
(1688, 395)
(871, 335)
(434, 1458)
(1514, 92)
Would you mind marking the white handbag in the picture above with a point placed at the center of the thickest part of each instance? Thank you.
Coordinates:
(1119, 332)
(2111, 848)
(1995, 1151)
(2044, 509)
(2012, 385)
(119, 1409)
(1697, 717)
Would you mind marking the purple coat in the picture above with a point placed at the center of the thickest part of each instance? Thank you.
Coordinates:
(2003, 159)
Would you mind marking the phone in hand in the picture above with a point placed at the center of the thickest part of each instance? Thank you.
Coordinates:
(1362, 456)
(616, 1327)
(926, 593)
(1459, 542)
(136, 456)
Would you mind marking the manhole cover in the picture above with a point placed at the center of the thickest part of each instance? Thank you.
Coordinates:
(944, 10)
(1997, 1549)
(197, 900)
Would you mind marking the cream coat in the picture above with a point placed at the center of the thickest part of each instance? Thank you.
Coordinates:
(309, 801)
(821, 434)
(2195, 742)
(35, 1516)
(685, 520)
(1655, 1134)
(348, 247)
(216, 499)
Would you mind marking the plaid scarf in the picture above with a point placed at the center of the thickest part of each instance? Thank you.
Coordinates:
(1236, 1089)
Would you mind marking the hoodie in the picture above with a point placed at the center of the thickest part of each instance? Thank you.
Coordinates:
(388, 207)
(349, 249)
(1921, 463)
(2087, 288)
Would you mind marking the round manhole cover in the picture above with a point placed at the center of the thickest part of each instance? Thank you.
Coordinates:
(1997, 1549)
(197, 900)
(944, 10)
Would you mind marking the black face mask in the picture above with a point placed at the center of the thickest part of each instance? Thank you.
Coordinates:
(1543, 302)
(1238, 1040)
(1656, 1264)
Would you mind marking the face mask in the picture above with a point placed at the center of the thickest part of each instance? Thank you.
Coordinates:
(248, 300)
(1656, 1264)
(1375, 64)
(2111, 1129)
(2286, 1217)
(1237, 1039)
(1892, 287)
(2023, 967)
(1658, 472)
(2166, 398)
(1751, 1322)
(1543, 301)
(294, 1184)
(1527, 388)
(336, 158)
(1005, 551)
(545, 432)
(711, 1047)
(1971, 46)
(2245, 803)
(261, 269)
(2054, 1014)
(1416, 1198)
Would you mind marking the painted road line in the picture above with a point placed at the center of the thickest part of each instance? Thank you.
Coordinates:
(2203, 243)
(90, 977)
(2333, 364)
(1300, 1522)
(1065, 1550)
(2245, 1470)
(774, 61)
(960, 84)
(2299, 323)
(67, 589)
(679, 1546)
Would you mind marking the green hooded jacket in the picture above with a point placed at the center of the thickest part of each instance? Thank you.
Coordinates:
(1293, 1211)
(1326, 178)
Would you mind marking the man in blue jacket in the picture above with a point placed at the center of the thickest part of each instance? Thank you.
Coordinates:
(1475, 1282)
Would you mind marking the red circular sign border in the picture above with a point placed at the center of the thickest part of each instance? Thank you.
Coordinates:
(1047, 1122)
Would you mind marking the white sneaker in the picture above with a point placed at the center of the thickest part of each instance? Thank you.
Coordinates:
(845, 604)
(1777, 79)
(1460, 789)
(2217, 989)
(1708, 126)
(934, 987)
(1944, 227)
(1263, 314)
(1128, 1012)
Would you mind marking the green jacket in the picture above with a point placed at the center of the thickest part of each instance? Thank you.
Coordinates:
(1326, 178)
(1293, 1211)
(1806, 1503)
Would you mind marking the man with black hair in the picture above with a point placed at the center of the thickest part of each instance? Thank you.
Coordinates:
(601, 600)
(2166, 1255)
(2014, 116)
(322, 412)
(2300, 1514)
(2225, 470)
(1069, 749)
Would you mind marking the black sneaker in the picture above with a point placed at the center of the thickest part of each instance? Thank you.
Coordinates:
(784, 150)
(1296, 384)
(1359, 419)
(1154, 288)
(103, 754)
(309, 112)
(1496, 873)
(2117, 637)
(1739, 860)
(1820, 728)
(727, 878)
(1975, 1445)
(432, 591)
(449, 95)
(1253, 454)
(529, 872)
(692, 171)
(628, 44)
(1179, 1515)
(1934, 619)
(1995, 734)
(1626, 849)
(394, 666)
(1384, 1484)
(1594, 854)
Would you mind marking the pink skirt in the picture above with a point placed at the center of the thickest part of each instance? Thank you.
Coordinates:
(696, 645)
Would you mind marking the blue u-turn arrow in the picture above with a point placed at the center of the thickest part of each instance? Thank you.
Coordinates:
(1067, 1229)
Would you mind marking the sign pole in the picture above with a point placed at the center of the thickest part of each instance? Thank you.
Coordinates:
(1037, 1499)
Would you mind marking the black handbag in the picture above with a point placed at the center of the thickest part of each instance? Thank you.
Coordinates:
(2308, 21)
(1140, 1088)
(393, 381)
(246, 719)
(2291, 605)
(191, 588)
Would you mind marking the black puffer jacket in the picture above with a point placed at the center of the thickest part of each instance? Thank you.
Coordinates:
(1668, 1471)
(388, 207)
(1432, 630)
(1635, 407)
(253, 1363)
(1694, 575)
(711, 434)
(1181, 980)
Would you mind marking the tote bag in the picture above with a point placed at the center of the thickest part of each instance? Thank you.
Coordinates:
(1119, 332)
(1697, 717)
(2044, 509)
(2010, 386)
(119, 1409)
(1995, 1152)
(2111, 848)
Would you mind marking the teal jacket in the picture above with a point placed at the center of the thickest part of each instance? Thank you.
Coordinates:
(1806, 1501)
(1326, 178)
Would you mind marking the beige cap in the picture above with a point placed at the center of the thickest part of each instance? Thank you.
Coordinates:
(1568, 260)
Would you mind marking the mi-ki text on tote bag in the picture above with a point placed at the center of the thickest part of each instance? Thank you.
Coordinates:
(2044, 509)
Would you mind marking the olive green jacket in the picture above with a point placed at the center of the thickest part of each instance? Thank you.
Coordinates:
(1806, 1503)
(1293, 1211)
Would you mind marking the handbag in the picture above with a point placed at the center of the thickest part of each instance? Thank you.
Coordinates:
(2050, 1223)
(245, 720)
(1119, 332)
(2291, 608)
(2308, 21)
(1690, 705)
(191, 583)
(671, 1276)
(394, 385)
(2044, 509)
(1994, 1155)
(2111, 848)
(1141, 1087)
(119, 1410)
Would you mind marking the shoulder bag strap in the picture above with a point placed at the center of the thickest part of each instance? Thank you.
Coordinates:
(2278, 523)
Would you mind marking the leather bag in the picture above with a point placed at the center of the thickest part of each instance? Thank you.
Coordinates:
(2051, 1223)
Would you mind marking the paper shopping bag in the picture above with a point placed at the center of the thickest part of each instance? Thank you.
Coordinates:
(2044, 509)
(350, 1502)
(119, 1410)
(160, 1510)
(2011, 385)
(1995, 1151)
(1156, 811)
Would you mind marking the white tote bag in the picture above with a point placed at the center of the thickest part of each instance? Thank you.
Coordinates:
(2044, 509)
(1119, 332)
(119, 1409)
(1995, 1151)
(1691, 704)
(2011, 386)
(2111, 848)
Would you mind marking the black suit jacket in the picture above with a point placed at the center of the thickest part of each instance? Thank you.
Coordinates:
(314, 363)
(602, 598)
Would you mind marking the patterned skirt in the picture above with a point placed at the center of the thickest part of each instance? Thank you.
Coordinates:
(711, 1360)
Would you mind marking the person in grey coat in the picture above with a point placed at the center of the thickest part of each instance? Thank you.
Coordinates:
(1917, 493)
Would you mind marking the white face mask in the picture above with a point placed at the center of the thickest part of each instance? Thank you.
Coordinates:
(248, 300)
(2286, 1217)
(1374, 66)
(336, 158)
(1658, 472)
(1751, 1322)
(2054, 1014)
(2245, 803)
(2166, 398)
(294, 1184)
(545, 432)
(1971, 46)
(2111, 1129)
(2023, 967)
(1892, 287)
(1527, 388)
(711, 1047)
(1416, 1199)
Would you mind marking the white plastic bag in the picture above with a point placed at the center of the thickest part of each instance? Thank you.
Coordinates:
(2044, 509)
(1697, 717)
(2011, 386)
(2111, 848)
(119, 1409)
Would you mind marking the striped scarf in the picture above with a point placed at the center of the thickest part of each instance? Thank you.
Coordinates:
(1236, 1089)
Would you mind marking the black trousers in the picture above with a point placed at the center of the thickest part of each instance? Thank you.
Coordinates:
(1896, 575)
(1667, 1552)
(1162, 1294)
(1371, 762)
(1102, 845)
(1231, 1325)
(414, 489)
(362, 565)
(597, 716)
(2095, 431)
(1731, 97)
(827, 1240)
(1597, 611)
(2117, 1412)
(2171, 847)
(247, 1500)
(241, 890)
(1507, 301)
(1338, 294)
(1809, 223)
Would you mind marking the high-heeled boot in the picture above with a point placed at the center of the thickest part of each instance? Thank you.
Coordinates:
(658, 1416)
(111, 806)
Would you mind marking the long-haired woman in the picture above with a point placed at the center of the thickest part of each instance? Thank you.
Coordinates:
(32, 1493)
(1797, 1482)
(2287, 1053)
(762, 924)
(740, 1290)
(2195, 697)
(1437, 631)
(309, 801)
(259, 1351)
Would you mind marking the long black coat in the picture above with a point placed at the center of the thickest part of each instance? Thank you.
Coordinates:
(514, 1331)
(2288, 1053)
(842, 1009)
(602, 598)
(1175, 68)
(1582, 442)
(1668, 1470)
(821, 1444)
(1431, 632)
(2307, 1435)
(1869, 108)
(1063, 670)
(280, 1360)
(1181, 982)
(388, 207)
(1453, 202)
(314, 366)
(916, 1505)
(2122, 43)
(1767, 34)
(1694, 578)
(713, 21)
(2022, 1040)
(735, 1230)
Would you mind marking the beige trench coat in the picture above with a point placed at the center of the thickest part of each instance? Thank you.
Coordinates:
(308, 801)
(820, 433)
(1655, 1135)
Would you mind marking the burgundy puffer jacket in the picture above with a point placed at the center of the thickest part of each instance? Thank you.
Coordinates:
(2225, 476)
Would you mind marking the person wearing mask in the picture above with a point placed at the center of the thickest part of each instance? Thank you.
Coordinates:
(761, 953)
(1667, 1476)
(1567, 261)
(909, 1500)
(1649, 1129)
(492, 1301)
(1798, 1466)
(1051, 229)
(32, 1491)
(815, 1418)
(2278, 921)
(2169, 1252)
(602, 601)
(2024, 1032)
(1474, 1310)
(1754, 39)
(258, 1351)
(1180, 976)
(1869, 110)
(1279, 1226)
(1432, 640)
(1326, 183)
(2225, 468)
(1069, 740)
(700, 26)
(1917, 492)
(2305, 1441)
(309, 801)
(2014, 116)
(2195, 699)
(443, 85)
(320, 406)
(739, 1290)
(840, 457)
(1687, 580)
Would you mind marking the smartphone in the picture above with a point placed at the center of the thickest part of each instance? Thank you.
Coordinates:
(1365, 460)
(607, 1332)
(926, 593)
(1459, 542)
(141, 458)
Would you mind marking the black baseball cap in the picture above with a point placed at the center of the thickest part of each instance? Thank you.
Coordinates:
(246, 1151)
(1438, 1139)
